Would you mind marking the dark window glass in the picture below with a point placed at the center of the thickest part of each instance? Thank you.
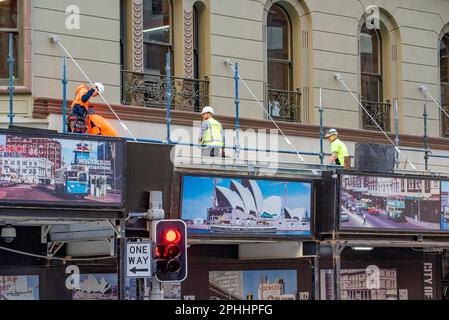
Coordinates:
(371, 64)
(157, 28)
(279, 49)
(156, 21)
(8, 14)
(8, 24)
(4, 52)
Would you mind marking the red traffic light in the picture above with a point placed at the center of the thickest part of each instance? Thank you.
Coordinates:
(172, 236)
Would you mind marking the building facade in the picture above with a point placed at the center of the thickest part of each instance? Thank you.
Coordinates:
(287, 51)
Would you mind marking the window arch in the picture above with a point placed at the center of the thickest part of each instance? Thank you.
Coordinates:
(157, 35)
(279, 49)
(444, 82)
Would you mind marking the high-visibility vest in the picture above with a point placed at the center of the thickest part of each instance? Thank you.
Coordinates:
(212, 136)
(338, 147)
(80, 92)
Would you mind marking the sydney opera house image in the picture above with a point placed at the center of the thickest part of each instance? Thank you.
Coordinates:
(244, 206)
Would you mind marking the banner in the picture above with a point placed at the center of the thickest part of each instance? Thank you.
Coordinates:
(247, 207)
(390, 203)
(59, 170)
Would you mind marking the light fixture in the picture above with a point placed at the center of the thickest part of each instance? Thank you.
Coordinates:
(8, 233)
(362, 248)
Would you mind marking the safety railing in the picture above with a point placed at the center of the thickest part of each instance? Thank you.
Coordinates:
(380, 112)
(284, 105)
(150, 90)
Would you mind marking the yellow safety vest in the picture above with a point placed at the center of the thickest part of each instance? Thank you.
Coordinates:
(212, 136)
(341, 150)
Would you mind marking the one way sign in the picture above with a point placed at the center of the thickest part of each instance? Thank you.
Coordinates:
(138, 259)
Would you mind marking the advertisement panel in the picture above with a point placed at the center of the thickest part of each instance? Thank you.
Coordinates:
(400, 203)
(52, 169)
(246, 207)
(19, 287)
(253, 285)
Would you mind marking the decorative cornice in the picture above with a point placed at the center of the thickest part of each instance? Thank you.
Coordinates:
(188, 44)
(46, 106)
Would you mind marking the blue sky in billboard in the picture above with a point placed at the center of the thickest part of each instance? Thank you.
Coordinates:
(68, 146)
(197, 194)
(253, 279)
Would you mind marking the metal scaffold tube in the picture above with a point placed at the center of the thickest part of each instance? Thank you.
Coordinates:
(56, 39)
(287, 140)
(340, 79)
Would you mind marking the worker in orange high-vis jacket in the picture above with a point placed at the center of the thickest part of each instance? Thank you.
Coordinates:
(76, 121)
(97, 125)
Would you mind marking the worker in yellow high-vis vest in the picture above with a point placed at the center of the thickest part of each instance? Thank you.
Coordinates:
(338, 149)
(212, 135)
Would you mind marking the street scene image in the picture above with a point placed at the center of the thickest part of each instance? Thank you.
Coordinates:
(389, 203)
(253, 285)
(46, 170)
(357, 285)
(229, 206)
(444, 205)
(19, 287)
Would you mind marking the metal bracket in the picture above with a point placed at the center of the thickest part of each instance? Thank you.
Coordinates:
(114, 227)
(45, 230)
(54, 247)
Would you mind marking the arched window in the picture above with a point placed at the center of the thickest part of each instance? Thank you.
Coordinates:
(444, 81)
(371, 74)
(283, 101)
(279, 48)
(371, 64)
(157, 35)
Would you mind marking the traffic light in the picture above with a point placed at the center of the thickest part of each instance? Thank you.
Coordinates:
(170, 237)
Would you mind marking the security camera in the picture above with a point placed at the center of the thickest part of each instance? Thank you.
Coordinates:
(8, 234)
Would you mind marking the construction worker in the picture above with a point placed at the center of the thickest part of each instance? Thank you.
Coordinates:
(97, 125)
(76, 121)
(338, 149)
(212, 135)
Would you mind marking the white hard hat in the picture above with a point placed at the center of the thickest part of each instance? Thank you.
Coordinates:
(100, 87)
(331, 132)
(207, 109)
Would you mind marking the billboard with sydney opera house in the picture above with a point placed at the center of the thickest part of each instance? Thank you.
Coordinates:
(246, 207)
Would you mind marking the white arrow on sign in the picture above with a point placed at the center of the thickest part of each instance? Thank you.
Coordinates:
(138, 259)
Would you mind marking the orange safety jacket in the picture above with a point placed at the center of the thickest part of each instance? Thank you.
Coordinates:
(82, 96)
(97, 125)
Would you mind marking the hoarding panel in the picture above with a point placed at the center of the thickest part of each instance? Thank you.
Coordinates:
(60, 170)
(397, 203)
(224, 206)
(253, 285)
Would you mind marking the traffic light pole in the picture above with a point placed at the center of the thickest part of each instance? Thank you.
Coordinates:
(153, 287)
(121, 260)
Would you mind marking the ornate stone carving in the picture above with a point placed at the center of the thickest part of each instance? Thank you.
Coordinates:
(137, 36)
(188, 44)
